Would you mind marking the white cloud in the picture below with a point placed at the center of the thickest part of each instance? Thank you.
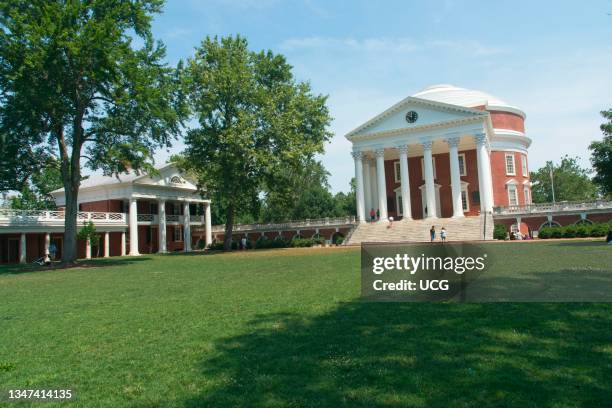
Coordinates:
(386, 45)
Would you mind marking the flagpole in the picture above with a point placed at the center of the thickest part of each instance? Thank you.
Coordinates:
(552, 183)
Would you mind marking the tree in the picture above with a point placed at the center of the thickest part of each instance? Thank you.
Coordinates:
(36, 191)
(302, 194)
(601, 156)
(73, 85)
(571, 182)
(88, 233)
(256, 122)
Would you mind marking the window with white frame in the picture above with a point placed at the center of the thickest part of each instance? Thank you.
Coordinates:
(462, 166)
(512, 194)
(465, 201)
(510, 171)
(527, 195)
(178, 233)
(396, 171)
(524, 165)
(433, 163)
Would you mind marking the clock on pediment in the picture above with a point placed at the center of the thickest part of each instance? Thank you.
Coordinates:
(411, 116)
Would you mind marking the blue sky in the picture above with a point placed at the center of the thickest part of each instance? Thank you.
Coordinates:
(551, 58)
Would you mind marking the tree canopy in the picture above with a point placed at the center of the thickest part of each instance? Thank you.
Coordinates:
(571, 182)
(76, 87)
(601, 156)
(256, 124)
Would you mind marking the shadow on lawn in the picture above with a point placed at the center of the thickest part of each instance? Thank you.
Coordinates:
(371, 354)
(57, 266)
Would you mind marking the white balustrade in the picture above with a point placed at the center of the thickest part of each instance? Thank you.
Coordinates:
(564, 206)
(29, 217)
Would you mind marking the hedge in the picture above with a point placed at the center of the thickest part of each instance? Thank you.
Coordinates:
(573, 231)
(500, 231)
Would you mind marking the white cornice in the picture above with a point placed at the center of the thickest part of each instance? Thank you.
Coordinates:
(417, 101)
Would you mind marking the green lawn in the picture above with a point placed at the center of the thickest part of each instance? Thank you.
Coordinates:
(286, 327)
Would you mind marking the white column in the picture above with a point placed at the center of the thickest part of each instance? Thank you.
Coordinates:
(382, 185)
(359, 179)
(186, 227)
(430, 191)
(161, 215)
(106, 244)
(123, 243)
(208, 224)
(405, 183)
(133, 227)
(22, 248)
(87, 248)
(373, 187)
(47, 243)
(484, 173)
(455, 173)
(367, 187)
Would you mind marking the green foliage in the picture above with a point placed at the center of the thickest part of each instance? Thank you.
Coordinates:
(500, 231)
(601, 156)
(88, 232)
(571, 182)
(301, 242)
(575, 231)
(35, 193)
(256, 124)
(74, 87)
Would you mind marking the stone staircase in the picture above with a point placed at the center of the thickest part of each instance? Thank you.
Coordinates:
(457, 229)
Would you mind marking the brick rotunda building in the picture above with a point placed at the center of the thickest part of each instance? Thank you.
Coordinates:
(443, 153)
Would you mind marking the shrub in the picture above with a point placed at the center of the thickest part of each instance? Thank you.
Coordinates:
(500, 231)
(583, 231)
(556, 232)
(570, 231)
(599, 230)
(301, 242)
(318, 241)
(216, 246)
(545, 233)
(339, 240)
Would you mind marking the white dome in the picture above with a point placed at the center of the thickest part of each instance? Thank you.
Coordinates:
(468, 98)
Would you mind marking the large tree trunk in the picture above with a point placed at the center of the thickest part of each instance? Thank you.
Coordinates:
(229, 227)
(70, 222)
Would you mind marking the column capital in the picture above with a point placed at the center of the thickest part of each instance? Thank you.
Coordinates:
(453, 141)
(403, 149)
(380, 152)
(357, 155)
(481, 138)
(427, 144)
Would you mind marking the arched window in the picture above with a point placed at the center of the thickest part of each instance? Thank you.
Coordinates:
(176, 180)
(583, 221)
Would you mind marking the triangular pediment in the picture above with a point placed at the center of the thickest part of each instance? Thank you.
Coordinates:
(413, 113)
(169, 176)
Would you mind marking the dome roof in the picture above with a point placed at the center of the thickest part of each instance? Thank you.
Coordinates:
(468, 98)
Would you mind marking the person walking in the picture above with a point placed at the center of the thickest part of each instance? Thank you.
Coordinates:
(432, 233)
(372, 215)
(443, 234)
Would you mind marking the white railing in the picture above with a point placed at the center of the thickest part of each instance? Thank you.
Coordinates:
(563, 206)
(174, 218)
(50, 216)
(308, 223)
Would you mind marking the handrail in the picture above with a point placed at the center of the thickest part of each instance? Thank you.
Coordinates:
(307, 223)
(550, 207)
(37, 216)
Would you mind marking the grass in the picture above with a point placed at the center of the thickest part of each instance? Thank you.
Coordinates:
(285, 327)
